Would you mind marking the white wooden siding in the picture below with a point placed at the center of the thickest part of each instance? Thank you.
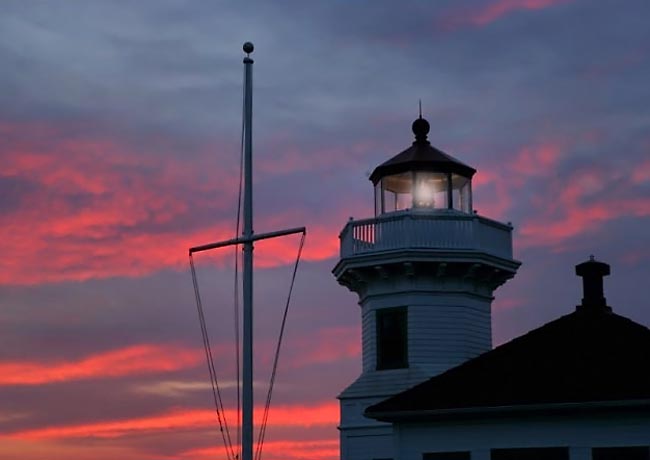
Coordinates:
(578, 433)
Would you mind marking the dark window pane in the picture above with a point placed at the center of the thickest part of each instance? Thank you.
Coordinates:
(446, 456)
(391, 338)
(621, 453)
(541, 453)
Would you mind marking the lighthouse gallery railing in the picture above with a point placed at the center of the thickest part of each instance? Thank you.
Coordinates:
(426, 230)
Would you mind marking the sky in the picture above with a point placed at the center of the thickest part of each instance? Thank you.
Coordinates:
(120, 127)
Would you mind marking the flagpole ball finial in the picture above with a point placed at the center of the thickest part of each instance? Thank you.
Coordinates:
(248, 47)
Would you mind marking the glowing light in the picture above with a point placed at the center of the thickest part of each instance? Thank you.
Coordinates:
(424, 195)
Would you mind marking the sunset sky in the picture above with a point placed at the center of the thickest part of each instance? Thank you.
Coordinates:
(119, 149)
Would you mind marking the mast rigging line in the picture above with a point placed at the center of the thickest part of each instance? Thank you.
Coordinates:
(216, 392)
(236, 277)
(218, 401)
(248, 237)
(265, 417)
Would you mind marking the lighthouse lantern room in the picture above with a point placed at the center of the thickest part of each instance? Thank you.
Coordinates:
(422, 178)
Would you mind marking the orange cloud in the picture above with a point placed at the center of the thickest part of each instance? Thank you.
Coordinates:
(279, 416)
(134, 360)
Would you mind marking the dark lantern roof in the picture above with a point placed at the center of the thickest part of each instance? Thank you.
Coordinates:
(590, 357)
(421, 156)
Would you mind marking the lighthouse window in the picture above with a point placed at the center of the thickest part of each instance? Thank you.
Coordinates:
(392, 351)
(379, 199)
(461, 455)
(461, 193)
(621, 453)
(539, 453)
(397, 192)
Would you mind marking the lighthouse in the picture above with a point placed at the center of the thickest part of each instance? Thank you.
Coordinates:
(425, 269)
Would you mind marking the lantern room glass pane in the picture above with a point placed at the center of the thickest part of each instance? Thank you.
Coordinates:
(397, 191)
(461, 193)
(431, 190)
(378, 207)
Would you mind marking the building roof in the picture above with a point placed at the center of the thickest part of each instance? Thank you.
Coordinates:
(589, 356)
(421, 156)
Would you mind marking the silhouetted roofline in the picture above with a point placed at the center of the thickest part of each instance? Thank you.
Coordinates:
(421, 157)
(639, 405)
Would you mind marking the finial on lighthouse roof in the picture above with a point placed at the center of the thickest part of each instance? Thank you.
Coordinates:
(421, 128)
(248, 47)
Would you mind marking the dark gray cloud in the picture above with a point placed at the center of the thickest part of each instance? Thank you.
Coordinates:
(551, 105)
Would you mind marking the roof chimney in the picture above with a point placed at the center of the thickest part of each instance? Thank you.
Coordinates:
(592, 273)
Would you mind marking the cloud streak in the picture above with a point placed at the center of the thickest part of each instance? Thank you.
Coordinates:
(134, 360)
(99, 208)
(487, 12)
(280, 416)
(119, 146)
(323, 449)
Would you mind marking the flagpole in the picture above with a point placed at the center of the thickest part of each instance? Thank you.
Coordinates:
(247, 346)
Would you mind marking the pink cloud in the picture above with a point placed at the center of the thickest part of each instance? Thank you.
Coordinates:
(496, 187)
(619, 64)
(491, 11)
(29, 449)
(641, 173)
(100, 208)
(495, 10)
(296, 416)
(503, 304)
(583, 203)
(492, 195)
(536, 160)
(326, 346)
(560, 210)
(294, 158)
(134, 360)
(320, 449)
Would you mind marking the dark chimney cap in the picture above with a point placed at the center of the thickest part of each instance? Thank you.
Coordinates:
(592, 273)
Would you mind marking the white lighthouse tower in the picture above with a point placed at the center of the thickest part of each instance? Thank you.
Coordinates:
(425, 269)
